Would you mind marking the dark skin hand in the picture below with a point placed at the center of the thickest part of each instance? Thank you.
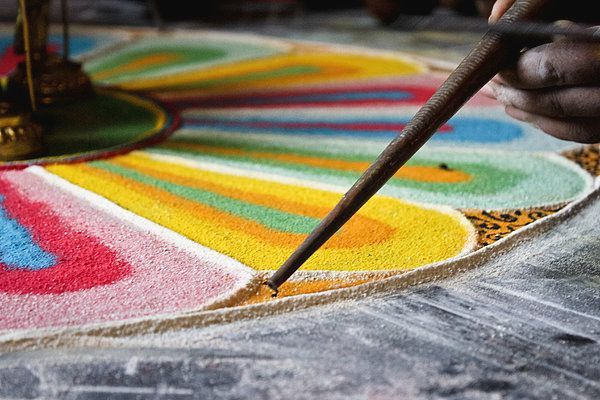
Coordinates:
(554, 86)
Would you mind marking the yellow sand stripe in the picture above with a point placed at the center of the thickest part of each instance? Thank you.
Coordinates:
(417, 236)
(330, 67)
(133, 66)
(362, 230)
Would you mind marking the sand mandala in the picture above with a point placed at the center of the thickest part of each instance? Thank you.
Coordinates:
(207, 158)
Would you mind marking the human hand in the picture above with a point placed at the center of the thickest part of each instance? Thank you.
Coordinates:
(555, 86)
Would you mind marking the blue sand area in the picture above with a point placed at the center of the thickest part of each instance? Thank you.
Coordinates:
(18, 249)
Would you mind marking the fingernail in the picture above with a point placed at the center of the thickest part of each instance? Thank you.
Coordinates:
(564, 23)
(499, 78)
(488, 90)
(494, 14)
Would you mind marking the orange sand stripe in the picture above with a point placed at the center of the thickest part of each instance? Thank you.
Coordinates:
(360, 231)
(295, 288)
(412, 172)
(331, 67)
(138, 64)
(166, 204)
(420, 235)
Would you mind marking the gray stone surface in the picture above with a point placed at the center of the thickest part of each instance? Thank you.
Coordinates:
(526, 325)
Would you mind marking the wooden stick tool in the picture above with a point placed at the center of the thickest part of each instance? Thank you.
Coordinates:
(490, 55)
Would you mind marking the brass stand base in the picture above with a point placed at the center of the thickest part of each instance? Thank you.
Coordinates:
(56, 81)
(20, 137)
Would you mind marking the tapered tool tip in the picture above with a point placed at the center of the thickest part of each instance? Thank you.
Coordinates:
(273, 287)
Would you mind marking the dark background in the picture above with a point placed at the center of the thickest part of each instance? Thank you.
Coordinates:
(148, 12)
(144, 12)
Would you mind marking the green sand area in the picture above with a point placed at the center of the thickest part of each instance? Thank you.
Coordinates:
(105, 122)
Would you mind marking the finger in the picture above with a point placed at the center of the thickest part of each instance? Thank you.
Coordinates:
(582, 130)
(499, 8)
(560, 63)
(556, 103)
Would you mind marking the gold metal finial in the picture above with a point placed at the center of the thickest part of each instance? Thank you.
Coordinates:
(20, 136)
(56, 79)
